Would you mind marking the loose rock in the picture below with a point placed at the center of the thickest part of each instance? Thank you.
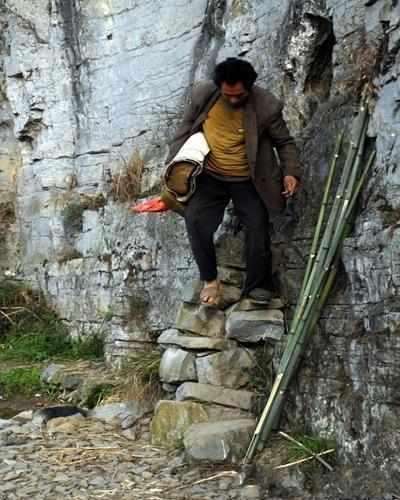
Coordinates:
(253, 326)
(172, 418)
(195, 342)
(177, 365)
(228, 368)
(219, 441)
(202, 320)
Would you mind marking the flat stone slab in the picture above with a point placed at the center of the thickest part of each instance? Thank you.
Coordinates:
(171, 420)
(195, 342)
(213, 394)
(253, 326)
(229, 368)
(224, 441)
(177, 365)
(249, 305)
(191, 293)
(202, 320)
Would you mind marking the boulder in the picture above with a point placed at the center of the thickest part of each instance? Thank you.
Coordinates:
(202, 320)
(49, 374)
(177, 365)
(253, 326)
(224, 441)
(195, 342)
(67, 425)
(229, 368)
(59, 375)
(171, 420)
(213, 394)
(125, 413)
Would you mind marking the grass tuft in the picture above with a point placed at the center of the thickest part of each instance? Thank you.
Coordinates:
(31, 332)
(314, 443)
(126, 185)
(24, 381)
(141, 376)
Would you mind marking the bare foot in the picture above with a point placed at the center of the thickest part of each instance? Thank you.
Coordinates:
(211, 293)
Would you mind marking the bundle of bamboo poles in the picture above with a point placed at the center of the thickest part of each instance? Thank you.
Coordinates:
(321, 267)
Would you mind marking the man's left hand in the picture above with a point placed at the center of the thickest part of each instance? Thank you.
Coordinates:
(291, 185)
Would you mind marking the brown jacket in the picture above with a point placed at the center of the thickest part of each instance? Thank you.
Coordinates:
(265, 129)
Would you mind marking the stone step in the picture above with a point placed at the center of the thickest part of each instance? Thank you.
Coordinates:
(202, 320)
(224, 441)
(254, 326)
(195, 342)
(191, 293)
(230, 368)
(213, 394)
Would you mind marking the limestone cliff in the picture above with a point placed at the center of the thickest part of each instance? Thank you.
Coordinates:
(91, 90)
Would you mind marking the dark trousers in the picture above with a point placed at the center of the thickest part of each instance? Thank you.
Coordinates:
(204, 213)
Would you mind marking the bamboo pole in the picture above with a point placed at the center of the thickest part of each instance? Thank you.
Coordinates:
(283, 378)
(291, 367)
(316, 290)
(322, 211)
(326, 243)
(303, 460)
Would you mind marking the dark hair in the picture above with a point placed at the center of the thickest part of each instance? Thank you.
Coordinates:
(234, 70)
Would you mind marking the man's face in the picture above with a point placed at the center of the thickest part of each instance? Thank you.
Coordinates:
(235, 95)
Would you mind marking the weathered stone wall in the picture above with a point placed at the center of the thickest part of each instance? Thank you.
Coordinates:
(88, 87)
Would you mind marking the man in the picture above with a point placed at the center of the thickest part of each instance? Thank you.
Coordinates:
(242, 123)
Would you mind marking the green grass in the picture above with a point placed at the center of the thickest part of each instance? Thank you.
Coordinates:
(32, 332)
(45, 341)
(314, 443)
(22, 381)
(98, 394)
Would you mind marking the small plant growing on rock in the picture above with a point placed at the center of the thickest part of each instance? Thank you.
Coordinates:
(7, 213)
(73, 217)
(314, 444)
(140, 373)
(32, 332)
(125, 186)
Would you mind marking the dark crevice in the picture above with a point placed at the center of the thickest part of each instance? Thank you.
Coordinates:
(312, 66)
(320, 72)
(212, 31)
(69, 10)
(387, 58)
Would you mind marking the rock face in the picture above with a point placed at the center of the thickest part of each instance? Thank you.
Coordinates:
(253, 326)
(83, 97)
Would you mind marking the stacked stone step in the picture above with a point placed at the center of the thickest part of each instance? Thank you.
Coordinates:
(206, 367)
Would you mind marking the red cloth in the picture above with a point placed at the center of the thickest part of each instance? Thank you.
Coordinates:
(151, 205)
